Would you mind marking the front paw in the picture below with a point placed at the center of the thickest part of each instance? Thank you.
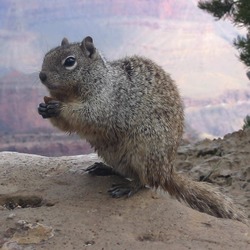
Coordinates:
(50, 109)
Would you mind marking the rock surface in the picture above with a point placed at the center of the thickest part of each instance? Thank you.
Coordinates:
(223, 162)
(50, 203)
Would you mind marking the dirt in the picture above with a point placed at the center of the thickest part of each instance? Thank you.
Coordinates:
(50, 203)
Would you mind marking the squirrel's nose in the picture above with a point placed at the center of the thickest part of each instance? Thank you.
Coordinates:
(42, 76)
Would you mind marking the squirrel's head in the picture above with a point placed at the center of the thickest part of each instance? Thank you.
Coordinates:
(66, 68)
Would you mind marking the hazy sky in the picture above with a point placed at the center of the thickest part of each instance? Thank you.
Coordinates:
(187, 42)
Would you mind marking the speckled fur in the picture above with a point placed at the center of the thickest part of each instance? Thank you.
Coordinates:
(131, 112)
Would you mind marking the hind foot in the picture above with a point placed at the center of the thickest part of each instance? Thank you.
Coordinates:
(124, 189)
(100, 169)
(128, 188)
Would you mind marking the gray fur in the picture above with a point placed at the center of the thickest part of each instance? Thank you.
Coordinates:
(131, 112)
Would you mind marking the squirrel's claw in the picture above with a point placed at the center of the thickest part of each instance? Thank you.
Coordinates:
(125, 189)
(50, 109)
(119, 190)
(100, 169)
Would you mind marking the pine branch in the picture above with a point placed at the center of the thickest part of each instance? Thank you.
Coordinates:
(218, 8)
(238, 12)
(243, 46)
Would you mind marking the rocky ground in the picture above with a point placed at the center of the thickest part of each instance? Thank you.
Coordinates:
(223, 162)
(50, 203)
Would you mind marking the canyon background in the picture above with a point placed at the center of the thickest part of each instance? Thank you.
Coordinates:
(189, 44)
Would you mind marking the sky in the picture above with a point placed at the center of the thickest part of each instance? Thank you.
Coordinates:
(187, 42)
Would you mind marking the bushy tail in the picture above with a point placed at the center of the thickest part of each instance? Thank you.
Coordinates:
(202, 197)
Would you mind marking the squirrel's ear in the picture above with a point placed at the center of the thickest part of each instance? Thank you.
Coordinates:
(88, 46)
(64, 42)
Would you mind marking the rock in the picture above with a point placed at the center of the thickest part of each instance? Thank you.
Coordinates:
(223, 162)
(32, 234)
(11, 216)
(83, 216)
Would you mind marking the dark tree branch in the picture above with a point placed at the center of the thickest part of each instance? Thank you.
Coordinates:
(238, 12)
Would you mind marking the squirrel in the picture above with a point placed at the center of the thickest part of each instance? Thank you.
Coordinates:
(131, 113)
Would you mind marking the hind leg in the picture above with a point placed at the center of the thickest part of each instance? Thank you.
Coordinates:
(126, 188)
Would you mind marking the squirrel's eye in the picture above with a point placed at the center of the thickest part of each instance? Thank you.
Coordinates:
(69, 63)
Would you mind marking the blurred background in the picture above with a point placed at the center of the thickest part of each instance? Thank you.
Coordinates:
(188, 43)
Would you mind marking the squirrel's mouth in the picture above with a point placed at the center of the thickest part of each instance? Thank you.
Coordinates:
(51, 86)
(57, 93)
(47, 99)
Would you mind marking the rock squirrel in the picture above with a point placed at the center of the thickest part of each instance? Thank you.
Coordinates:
(131, 113)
